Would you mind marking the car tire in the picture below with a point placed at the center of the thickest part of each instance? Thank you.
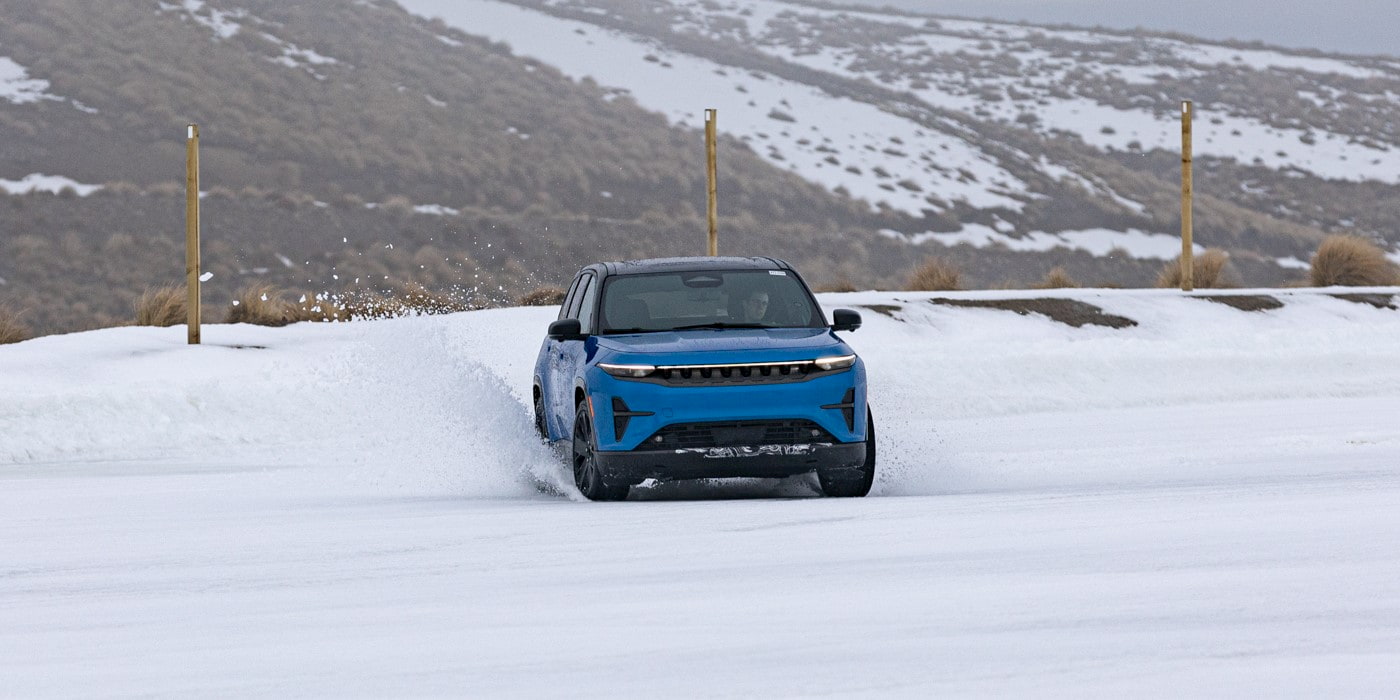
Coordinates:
(589, 477)
(853, 483)
(539, 415)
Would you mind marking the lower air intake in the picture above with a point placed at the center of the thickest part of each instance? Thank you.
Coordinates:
(737, 434)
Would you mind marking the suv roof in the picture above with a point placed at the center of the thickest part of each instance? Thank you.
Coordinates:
(694, 264)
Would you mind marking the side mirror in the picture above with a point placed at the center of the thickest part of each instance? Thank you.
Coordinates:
(566, 329)
(844, 320)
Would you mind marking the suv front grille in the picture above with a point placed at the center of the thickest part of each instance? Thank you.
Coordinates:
(755, 373)
(737, 434)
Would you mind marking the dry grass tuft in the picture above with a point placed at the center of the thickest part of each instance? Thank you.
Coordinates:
(320, 307)
(266, 305)
(1211, 269)
(262, 305)
(1351, 261)
(12, 329)
(1056, 278)
(362, 305)
(404, 301)
(543, 296)
(418, 299)
(934, 275)
(163, 306)
(840, 285)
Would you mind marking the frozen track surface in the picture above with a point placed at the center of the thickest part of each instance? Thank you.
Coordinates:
(1086, 529)
(220, 583)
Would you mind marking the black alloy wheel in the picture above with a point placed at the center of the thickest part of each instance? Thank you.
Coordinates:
(853, 483)
(588, 476)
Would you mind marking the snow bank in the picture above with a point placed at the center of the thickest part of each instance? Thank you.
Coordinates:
(985, 399)
(397, 405)
(440, 405)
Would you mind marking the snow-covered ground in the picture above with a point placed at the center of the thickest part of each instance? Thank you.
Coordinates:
(17, 87)
(46, 183)
(984, 71)
(834, 141)
(1202, 504)
(1098, 241)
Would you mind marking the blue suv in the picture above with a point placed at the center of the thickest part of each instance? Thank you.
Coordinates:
(692, 368)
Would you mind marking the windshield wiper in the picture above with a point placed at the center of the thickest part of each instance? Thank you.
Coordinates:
(720, 324)
(625, 331)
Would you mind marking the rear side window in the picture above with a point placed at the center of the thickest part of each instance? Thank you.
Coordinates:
(569, 299)
(585, 311)
(581, 289)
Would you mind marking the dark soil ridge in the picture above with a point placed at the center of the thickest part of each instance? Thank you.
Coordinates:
(1070, 312)
(1380, 301)
(1246, 302)
(886, 309)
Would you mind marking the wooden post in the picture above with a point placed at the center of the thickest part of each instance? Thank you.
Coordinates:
(710, 116)
(192, 273)
(1187, 265)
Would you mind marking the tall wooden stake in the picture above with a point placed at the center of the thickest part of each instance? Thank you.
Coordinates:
(1187, 265)
(192, 273)
(710, 116)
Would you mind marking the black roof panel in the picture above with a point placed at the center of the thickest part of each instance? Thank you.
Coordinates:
(695, 264)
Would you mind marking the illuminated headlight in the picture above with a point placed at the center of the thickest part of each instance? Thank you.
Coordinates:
(627, 371)
(826, 364)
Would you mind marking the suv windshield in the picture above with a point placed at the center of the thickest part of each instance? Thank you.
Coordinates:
(707, 299)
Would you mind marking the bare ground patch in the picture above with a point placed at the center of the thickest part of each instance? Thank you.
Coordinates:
(1380, 301)
(1246, 302)
(1067, 311)
(886, 309)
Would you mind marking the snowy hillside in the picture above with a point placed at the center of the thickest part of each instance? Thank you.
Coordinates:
(946, 118)
(369, 148)
(1176, 495)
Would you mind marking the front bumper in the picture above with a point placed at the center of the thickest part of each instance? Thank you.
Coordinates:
(660, 406)
(756, 461)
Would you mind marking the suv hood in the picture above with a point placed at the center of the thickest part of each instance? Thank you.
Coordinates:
(722, 346)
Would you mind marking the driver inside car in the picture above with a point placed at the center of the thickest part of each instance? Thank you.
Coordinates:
(754, 307)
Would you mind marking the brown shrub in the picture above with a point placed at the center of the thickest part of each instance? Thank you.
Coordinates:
(163, 306)
(398, 205)
(405, 300)
(12, 329)
(841, 285)
(934, 275)
(421, 300)
(543, 296)
(121, 187)
(1056, 278)
(324, 308)
(267, 305)
(166, 189)
(1211, 269)
(262, 305)
(363, 305)
(1351, 261)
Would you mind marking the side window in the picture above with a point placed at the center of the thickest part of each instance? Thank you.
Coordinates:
(569, 299)
(583, 282)
(585, 312)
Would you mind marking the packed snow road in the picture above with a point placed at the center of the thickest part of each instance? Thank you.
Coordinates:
(1204, 504)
